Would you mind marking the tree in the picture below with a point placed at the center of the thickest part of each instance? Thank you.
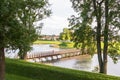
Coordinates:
(7, 18)
(30, 12)
(66, 35)
(84, 38)
(105, 15)
(38, 29)
(16, 28)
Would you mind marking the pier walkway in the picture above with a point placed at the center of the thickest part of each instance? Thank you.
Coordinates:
(52, 55)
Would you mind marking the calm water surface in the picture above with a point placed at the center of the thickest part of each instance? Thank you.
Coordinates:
(88, 64)
(42, 48)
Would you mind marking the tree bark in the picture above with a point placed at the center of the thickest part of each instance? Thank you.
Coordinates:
(99, 46)
(106, 37)
(97, 11)
(2, 64)
(23, 55)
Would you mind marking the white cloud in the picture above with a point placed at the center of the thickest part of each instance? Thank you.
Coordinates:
(54, 25)
(61, 11)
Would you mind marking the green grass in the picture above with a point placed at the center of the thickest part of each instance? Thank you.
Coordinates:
(21, 70)
(47, 42)
(57, 43)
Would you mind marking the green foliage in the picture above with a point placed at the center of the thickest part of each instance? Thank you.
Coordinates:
(84, 33)
(63, 44)
(16, 25)
(31, 11)
(16, 22)
(104, 14)
(95, 13)
(66, 35)
(21, 70)
(84, 38)
(66, 45)
(114, 50)
(8, 10)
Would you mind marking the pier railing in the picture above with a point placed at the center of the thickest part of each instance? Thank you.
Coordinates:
(51, 55)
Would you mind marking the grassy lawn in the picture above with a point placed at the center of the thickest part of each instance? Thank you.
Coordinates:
(58, 43)
(66, 45)
(47, 42)
(21, 70)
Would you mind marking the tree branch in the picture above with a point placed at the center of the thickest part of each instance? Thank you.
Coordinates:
(100, 2)
(95, 7)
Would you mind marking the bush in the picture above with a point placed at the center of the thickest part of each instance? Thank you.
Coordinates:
(66, 45)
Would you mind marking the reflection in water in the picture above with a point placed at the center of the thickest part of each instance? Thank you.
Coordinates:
(83, 64)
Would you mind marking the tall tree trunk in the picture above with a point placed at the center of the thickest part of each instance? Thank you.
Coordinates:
(2, 64)
(22, 54)
(97, 11)
(83, 48)
(99, 46)
(105, 37)
(25, 56)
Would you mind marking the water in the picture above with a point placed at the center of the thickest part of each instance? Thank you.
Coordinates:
(88, 64)
(79, 63)
(85, 62)
(35, 48)
(42, 48)
(11, 53)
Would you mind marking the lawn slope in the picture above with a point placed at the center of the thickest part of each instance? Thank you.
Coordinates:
(21, 70)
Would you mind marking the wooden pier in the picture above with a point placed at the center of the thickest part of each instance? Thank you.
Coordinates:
(52, 55)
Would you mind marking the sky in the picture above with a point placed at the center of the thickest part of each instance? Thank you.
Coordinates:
(61, 11)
